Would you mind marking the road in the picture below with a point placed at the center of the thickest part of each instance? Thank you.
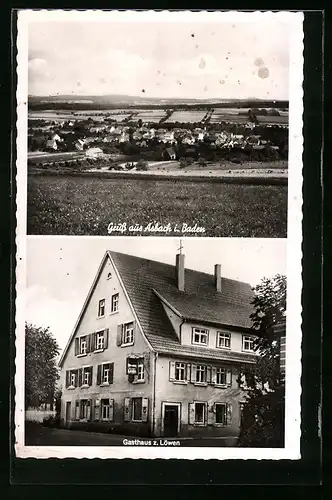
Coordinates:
(37, 435)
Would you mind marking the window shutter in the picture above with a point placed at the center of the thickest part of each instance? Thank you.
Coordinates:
(98, 374)
(145, 409)
(111, 368)
(210, 414)
(193, 373)
(119, 335)
(67, 378)
(106, 338)
(90, 376)
(88, 410)
(77, 409)
(213, 375)
(172, 370)
(80, 376)
(229, 414)
(77, 346)
(97, 409)
(229, 377)
(88, 343)
(208, 374)
(111, 403)
(76, 377)
(126, 416)
(191, 416)
(92, 342)
(188, 371)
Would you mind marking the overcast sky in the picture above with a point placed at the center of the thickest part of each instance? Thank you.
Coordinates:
(56, 290)
(165, 59)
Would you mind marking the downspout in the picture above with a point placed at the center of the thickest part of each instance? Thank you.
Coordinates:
(180, 329)
(154, 395)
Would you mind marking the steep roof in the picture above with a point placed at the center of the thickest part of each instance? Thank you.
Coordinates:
(148, 282)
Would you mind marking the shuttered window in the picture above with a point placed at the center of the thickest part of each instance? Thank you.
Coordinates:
(105, 373)
(137, 409)
(223, 413)
(198, 413)
(107, 412)
(126, 334)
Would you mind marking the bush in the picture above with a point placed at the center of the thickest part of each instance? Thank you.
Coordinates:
(53, 422)
(141, 166)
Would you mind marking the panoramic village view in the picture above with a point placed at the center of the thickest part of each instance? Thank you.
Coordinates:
(208, 140)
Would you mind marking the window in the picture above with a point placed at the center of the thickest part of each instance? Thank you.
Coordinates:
(140, 370)
(106, 374)
(128, 333)
(115, 303)
(199, 413)
(100, 341)
(101, 308)
(200, 336)
(221, 413)
(224, 340)
(83, 345)
(180, 371)
(201, 373)
(247, 343)
(105, 409)
(221, 376)
(137, 409)
(86, 376)
(73, 379)
(85, 409)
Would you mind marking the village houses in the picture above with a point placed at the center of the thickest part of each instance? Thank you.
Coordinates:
(157, 350)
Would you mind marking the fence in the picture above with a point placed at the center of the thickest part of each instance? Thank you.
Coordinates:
(35, 415)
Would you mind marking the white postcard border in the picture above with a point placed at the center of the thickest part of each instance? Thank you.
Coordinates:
(294, 241)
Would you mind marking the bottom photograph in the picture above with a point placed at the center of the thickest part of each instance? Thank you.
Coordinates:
(139, 342)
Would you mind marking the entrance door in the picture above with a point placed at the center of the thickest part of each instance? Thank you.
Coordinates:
(68, 411)
(171, 420)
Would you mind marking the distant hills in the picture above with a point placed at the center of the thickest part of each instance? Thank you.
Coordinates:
(62, 101)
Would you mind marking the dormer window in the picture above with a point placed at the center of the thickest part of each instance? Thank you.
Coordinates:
(223, 340)
(247, 343)
(200, 336)
(101, 308)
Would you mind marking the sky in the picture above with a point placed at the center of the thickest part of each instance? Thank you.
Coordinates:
(163, 59)
(57, 289)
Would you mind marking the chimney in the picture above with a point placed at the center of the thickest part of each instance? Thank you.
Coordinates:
(217, 277)
(179, 265)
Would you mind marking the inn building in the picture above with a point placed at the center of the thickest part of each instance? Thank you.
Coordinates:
(157, 350)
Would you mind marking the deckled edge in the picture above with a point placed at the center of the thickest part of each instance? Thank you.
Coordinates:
(294, 243)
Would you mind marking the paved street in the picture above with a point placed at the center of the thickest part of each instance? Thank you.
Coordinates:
(37, 435)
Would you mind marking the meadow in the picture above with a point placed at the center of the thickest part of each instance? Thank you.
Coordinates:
(86, 205)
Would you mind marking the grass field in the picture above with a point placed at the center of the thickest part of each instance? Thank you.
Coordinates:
(86, 205)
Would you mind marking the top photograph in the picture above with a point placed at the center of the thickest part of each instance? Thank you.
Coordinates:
(158, 123)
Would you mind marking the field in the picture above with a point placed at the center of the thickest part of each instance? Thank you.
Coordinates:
(186, 116)
(86, 205)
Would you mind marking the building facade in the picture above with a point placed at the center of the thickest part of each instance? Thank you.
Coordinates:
(157, 351)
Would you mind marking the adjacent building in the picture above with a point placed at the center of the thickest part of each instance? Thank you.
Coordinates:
(157, 351)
